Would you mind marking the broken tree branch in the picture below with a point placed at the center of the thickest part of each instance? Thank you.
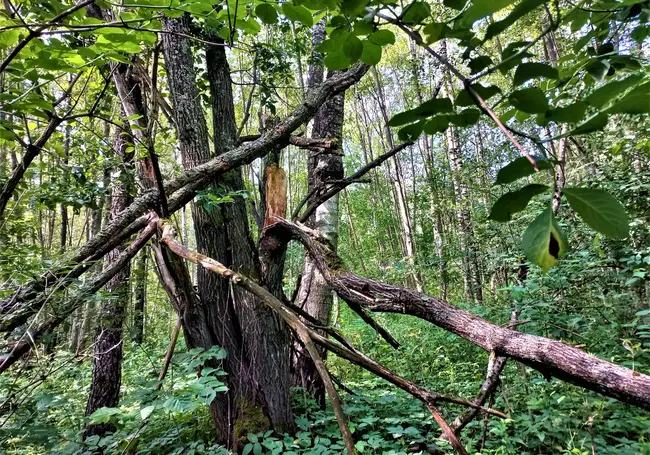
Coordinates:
(550, 357)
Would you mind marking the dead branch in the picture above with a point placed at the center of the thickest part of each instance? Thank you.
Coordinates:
(550, 357)
(325, 194)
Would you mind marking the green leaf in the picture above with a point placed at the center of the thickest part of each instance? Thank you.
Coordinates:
(592, 124)
(572, 113)
(353, 7)
(635, 102)
(266, 13)
(601, 96)
(531, 100)
(599, 210)
(371, 53)
(465, 99)
(250, 26)
(362, 28)
(455, 4)
(517, 12)
(411, 132)
(146, 412)
(9, 37)
(335, 41)
(434, 106)
(437, 124)
(382, 37)
(532, 70)
(352, 48)
(298, 13)
(479, 63)
(403, 118)
(598, 69)
(336, 60)
(466, 117)
(544, 242)
(416, 13)
(515, 201)
(481, 8)
(434, 31)
(521, 167)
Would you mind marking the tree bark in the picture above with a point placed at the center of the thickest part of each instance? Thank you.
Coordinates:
(139, 296)
(257, 344)
(315, 295)
(107, 358)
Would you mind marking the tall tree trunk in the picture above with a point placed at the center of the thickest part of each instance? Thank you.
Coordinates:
(315, 295)
(471, 269)
(107, 358)
(139, 296)
(257, 344)
(413, 277)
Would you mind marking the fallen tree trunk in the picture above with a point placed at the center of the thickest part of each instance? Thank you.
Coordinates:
(550, 357)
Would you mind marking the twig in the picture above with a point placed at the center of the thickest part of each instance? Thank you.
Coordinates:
(336, 187)
(168, 355)
(451, 436)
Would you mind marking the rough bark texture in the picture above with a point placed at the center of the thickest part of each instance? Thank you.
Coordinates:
(107, 358)
(139, 296)
(550, 357)
(256, 342)
(315, 295)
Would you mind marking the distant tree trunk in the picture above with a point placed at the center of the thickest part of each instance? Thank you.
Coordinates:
(315, 295)
(471, 269)
(139, 296)
(63, 238)
(413, 277)
(107, 358)
(552, 54)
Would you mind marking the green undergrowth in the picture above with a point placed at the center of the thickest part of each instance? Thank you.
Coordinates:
(546, 417)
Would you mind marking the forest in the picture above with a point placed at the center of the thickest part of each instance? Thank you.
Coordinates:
(324, 227)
